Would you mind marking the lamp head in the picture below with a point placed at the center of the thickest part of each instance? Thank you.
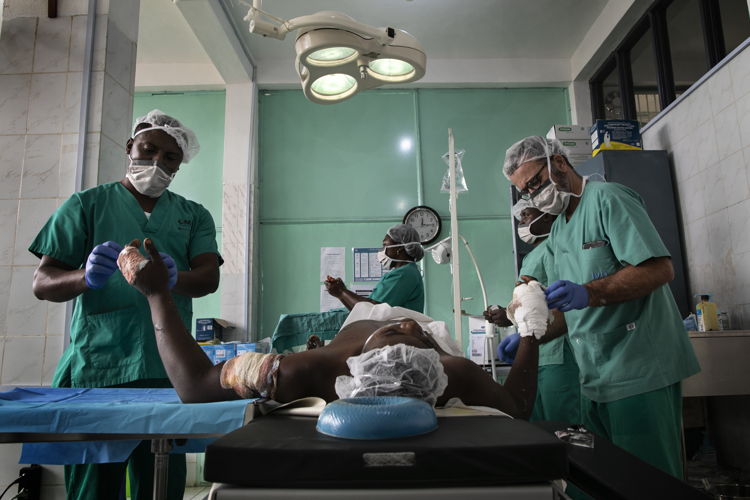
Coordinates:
(441, 251)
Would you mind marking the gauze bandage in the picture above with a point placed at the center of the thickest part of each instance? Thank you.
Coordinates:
(130, 261)
(252, 374)
(528, 309)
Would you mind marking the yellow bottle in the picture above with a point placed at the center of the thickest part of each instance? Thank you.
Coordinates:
(706, 312)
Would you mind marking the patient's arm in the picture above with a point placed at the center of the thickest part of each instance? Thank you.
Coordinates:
(468, 381)
(193, 376)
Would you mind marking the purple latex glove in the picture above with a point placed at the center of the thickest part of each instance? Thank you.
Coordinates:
(101, 264)
(171, 269)
(565, 296)
(508, 347)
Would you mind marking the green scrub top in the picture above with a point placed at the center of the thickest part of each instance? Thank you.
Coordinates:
(535, 264)
(632, 347)
(401, 287)
(111, 335)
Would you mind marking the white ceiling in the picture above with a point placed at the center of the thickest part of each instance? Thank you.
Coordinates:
(519, 40)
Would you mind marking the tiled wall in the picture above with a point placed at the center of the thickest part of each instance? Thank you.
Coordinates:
(41, 68)
(707, 135)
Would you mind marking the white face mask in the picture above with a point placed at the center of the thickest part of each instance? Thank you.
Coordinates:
(148, 178)
(550, 199)
(524, 232)
(386, 261)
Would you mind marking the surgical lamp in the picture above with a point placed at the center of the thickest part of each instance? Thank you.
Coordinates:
(338, 56)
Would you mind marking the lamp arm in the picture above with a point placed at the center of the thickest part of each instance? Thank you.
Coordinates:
(476, 268)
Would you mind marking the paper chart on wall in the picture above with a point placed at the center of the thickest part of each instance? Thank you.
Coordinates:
(332, 263)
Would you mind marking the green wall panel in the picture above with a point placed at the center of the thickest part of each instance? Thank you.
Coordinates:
(342, 161)
(201, 179)
(316, 159)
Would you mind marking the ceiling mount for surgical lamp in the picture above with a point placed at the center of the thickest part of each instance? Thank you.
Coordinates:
(338, 56)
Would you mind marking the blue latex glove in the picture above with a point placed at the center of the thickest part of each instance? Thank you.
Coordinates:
(101, 263)
(171, 269)
(508, 347)
(565, 296)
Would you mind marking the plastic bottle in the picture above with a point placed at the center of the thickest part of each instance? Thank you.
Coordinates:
(706, 312)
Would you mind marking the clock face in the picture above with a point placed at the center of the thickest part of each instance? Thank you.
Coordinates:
(426, 221)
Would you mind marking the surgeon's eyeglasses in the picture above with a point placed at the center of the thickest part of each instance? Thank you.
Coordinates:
(534, 183)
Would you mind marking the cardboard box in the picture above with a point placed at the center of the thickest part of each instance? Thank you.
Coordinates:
(561, 132)
(243, 347)
(615, 135)
(210, 329)
(577, 146)
(219, 352)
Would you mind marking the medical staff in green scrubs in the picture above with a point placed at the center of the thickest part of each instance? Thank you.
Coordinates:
(558, 396)
(612, 271)
(400, 286)
(112, 340)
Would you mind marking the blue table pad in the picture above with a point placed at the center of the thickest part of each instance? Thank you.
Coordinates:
(109, 411)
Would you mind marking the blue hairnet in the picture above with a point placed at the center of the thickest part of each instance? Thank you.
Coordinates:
(186, 138)
(409, 237)
(529, 149)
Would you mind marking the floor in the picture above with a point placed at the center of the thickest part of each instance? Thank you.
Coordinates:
(704, 471)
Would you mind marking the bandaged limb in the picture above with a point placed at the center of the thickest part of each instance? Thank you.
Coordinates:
(252, 375)
(528, 310)
(130, 261)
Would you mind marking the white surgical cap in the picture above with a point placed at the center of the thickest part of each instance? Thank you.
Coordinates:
(394, 370)
(520, 206)
(529, 149)
(186, 138)
(409, 237)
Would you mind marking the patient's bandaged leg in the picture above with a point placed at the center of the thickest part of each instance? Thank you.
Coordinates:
(252, 374)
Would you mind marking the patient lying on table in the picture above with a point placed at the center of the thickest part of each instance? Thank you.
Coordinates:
(416, 353)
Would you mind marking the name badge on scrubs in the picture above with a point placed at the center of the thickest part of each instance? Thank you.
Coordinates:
(595, 244)
(630, 327)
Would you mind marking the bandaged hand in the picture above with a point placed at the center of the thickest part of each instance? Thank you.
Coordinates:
(101, 264)
(147, 275)
(528, 310)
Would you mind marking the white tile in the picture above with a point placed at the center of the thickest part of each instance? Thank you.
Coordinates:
(112, 161)
(696, 240)
(22, 361)
(52, 45)
(73, 8)
(5, 277)
(739, 67)
(100, 43)
(699, 106)
(743, 119)
(56, 318)
(124, 15)
(734, 171)
(32, 216)
(740, 227)
(720, 90)
(77, 43)
(26, 314)
(47, 103)
(742, 279)
(119, 62)
(14, 100)
(117, 111)
(8, 219)
(68, 162)
(24, 8)
(705, 145)
(41, 166)
(727, 132)
(17, 45)
(691, 194)
(53, 349)
(12, 149)
(684, 159)
(9, 453)
(714, 196)
(72, 113)
(96, 90)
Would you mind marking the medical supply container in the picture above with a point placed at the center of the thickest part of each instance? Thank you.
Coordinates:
(615, 135)
(564, 132)
(707, 314)
(210, 329)
(219, 352)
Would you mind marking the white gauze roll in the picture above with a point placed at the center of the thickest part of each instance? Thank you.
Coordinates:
(528, 310)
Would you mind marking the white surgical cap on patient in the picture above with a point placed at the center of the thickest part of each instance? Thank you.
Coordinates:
(409, 237)
(529, 149)
(520, 206)
(186, 138)
(394, 370)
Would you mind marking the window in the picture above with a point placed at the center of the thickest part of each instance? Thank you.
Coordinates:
(670, 48)
(735, 22)
(687, 48)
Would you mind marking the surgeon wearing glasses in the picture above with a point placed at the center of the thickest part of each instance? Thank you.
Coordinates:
(609, 274)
